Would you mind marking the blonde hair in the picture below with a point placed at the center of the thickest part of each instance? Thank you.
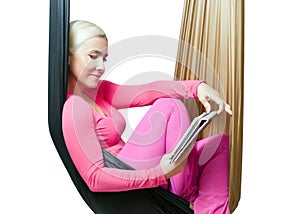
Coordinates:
(80, 31)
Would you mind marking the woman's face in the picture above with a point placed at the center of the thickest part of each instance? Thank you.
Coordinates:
(87, 63)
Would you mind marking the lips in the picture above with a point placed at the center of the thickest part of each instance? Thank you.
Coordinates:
(97, 75)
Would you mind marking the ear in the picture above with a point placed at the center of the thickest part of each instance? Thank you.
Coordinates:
(69, 60)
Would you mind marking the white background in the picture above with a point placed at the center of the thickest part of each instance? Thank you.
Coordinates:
(33, 179)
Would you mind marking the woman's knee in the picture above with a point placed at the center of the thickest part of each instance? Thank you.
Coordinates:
(222, 139)
(172, 104)
(177, 118)
(212, 146)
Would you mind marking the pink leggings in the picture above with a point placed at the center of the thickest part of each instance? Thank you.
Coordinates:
(204, 181)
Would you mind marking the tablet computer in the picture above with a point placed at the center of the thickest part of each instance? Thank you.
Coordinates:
(191, 134)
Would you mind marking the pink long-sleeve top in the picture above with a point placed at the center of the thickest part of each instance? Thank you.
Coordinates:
(86, 131)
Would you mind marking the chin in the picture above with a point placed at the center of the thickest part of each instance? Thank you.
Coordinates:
(93, 85)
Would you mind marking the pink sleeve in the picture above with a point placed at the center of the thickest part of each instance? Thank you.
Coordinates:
(125, 96)
(85, 151)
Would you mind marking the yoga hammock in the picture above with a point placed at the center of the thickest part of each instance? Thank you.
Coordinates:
(152, 200)
(215, 28)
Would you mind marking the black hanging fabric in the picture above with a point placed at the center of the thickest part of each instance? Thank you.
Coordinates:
(152, 201)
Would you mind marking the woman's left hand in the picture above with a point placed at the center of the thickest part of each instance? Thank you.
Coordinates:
(206, 94)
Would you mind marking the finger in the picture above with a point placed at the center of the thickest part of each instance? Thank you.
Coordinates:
(206, 105)
(228, 110)
(221, 108)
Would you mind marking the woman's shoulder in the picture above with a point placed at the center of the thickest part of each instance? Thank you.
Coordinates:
(76, 103)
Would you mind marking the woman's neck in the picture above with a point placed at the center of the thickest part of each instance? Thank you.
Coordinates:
(75, 90)
(74, 86)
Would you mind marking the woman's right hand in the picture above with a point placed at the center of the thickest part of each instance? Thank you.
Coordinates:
(171, 169)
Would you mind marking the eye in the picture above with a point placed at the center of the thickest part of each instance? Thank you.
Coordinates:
(104, 60)
(93, 56)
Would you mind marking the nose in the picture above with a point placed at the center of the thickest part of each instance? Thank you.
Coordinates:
(100, 64)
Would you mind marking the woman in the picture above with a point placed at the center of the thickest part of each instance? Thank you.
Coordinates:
(91, 123)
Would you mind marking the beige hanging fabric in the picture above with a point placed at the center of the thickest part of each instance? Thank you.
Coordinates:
(211, 48)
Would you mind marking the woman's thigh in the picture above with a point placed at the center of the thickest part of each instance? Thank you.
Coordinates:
(157, 133)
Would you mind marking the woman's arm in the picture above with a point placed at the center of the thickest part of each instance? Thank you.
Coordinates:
(85, 151)
(125, 96)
